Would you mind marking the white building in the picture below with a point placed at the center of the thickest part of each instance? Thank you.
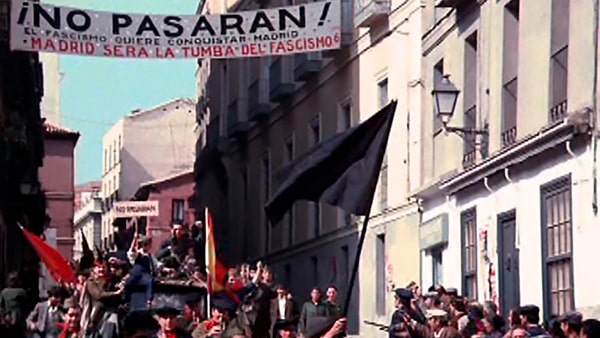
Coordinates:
(143, 146)
(50, 105)
(512, 216)
(88, 220)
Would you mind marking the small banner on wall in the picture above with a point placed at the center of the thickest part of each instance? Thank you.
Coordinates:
(277, 31)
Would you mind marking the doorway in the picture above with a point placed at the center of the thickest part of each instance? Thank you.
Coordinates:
(508, 263)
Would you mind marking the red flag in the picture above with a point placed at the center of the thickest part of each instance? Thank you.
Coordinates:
(56, 264)
(216, 271)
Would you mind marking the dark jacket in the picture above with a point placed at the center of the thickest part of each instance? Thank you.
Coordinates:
(309, 311)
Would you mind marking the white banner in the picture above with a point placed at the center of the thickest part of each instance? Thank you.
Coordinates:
(46, 28)
(135, 209)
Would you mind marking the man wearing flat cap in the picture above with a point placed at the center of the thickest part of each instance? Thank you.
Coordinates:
(169, 323)
(530, 318)
(571, 323)
(438, 325)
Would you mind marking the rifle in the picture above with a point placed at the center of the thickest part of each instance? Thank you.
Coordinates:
(381, 327)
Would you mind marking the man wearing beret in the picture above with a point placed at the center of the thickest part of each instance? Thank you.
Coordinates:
(140, 324)
(221, 311)
(169, 324)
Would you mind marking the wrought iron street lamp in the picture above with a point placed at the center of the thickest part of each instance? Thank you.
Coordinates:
(445, 95)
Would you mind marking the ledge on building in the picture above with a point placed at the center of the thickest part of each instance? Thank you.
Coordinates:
(57, 132)
(576, 124)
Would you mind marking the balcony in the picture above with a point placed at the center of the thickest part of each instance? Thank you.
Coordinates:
(558, 112)
(369, 13)
(213, 132)
(259, 106)
(306, 65)
(281, 84)
(453, 3)
(509, 136)
(236, 127)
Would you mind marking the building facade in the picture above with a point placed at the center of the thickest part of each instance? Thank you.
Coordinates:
(84, 191)
(175, 196)
(87, 219)
(143, 146)
(22, 150)
(265, 112)
(50, 104)
(509, 215)
(58, 183)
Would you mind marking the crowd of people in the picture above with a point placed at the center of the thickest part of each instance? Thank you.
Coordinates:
(99, 305)
(442, 313)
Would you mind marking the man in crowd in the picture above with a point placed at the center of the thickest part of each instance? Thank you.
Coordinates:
(437, 325)
(221, 313)
(311, 310)
(140, 324)
(570, 324)
(43, 321)
(72, 325)
(332, 301)
(284, 312)
(530, 319)
(169, 324)
(144, 268)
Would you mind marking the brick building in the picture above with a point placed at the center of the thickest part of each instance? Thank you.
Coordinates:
(57, 176)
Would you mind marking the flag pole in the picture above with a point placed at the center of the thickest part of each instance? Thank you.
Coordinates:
(361, 242)
(363, 232)
(206, 263)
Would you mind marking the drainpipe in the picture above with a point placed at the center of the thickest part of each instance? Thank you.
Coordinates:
(420, 211)
(595, 121)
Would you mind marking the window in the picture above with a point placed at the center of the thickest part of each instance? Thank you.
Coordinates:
(510, 60)
(291, 215)
(289, 148)
(115, 153)
(436, 263)
(382, 92)
(244, 177)
(315, 270)
(178, 206)
(383, 185)
(557, 247)
(345, 115)
(470, 99)
(314, 215)
(106, 160)
(266, 177)
(380, 280)
(287, 271)
(315, 131)
(438, 75)
(346, 265)
(559, 68)
(110, 162)
(468, 219)
(120, 144)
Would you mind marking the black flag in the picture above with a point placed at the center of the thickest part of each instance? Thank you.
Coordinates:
(87, 257)
(341, 171)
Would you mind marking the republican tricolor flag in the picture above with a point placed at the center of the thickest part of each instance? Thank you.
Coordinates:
(215, 270)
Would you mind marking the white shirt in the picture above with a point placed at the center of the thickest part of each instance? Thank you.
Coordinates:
(282, 304)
